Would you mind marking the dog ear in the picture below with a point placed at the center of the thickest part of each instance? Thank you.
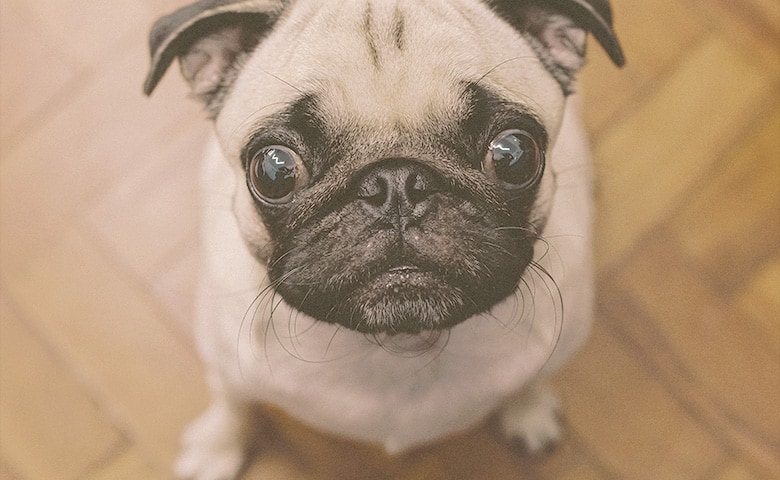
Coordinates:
(208, 37)
(557, 29)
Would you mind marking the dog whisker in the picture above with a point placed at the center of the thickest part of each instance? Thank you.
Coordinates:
(253, 308)
(529, 230)
(330, 342)
(557, 298)
(251, 314)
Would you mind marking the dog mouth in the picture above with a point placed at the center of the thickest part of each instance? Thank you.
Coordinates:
(405, 281)
(383, 282)
(396, 279)
(404, 269)
(402, 297)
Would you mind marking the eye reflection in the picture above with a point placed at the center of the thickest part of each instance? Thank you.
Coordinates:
(515, 159)
(274, 174)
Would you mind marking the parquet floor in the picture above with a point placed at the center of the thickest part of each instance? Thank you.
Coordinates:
(680, 380)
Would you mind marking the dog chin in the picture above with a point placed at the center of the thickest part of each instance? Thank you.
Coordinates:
(402, 301)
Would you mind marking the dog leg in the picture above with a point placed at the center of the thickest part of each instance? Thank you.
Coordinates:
(214, 446)
(532, 419)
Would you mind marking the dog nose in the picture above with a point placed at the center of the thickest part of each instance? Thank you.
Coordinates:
(398, 191)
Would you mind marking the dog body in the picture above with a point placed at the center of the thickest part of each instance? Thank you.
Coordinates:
(401, 282)
(412, 391)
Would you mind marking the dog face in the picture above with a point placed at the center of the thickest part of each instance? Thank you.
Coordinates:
(391, 156)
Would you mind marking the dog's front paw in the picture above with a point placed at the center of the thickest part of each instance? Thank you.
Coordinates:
(532, 420)
(213, 446)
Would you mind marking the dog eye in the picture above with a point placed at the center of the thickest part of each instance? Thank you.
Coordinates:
(514, 159)
(275, 173)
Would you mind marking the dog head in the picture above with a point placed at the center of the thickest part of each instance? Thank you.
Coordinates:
(391, 154)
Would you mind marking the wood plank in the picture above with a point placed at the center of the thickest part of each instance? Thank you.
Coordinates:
(114, 334)
(611, 92)
(51, 426)
(6, 474)
(765, 14)
(570, 460)
(57, 38)
(24, 90)
(175, 285)
(716, 360)
(753, 26)
(162, 7)
(129, 464)
(736, 470)
(153, 211)
(426, 467)
(731, 224)
(480, 454)
(87, 41)
(760, 300)
(627, 418)
(327, 456)
(277, 465)
(652, 157)
(100, 135)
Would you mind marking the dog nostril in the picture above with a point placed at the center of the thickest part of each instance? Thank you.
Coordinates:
(373, 190)
(417, 188)
(397, 187)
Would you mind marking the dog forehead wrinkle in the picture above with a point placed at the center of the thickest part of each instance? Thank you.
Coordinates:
(382, 36)
(330, 131)
(392, 92)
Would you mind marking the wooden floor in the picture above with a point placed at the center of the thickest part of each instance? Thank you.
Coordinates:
(680, 381)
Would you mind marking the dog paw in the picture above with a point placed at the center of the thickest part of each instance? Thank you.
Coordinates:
(213, 447)
(532, 420)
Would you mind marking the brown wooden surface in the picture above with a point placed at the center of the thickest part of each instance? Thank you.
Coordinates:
(98, 209)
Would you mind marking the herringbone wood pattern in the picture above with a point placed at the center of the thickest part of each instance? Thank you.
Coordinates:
(681, 378)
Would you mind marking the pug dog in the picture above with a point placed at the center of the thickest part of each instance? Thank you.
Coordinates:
(397, 218)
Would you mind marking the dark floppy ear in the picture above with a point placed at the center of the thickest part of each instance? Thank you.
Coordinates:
(208, 37)
(557, 29)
